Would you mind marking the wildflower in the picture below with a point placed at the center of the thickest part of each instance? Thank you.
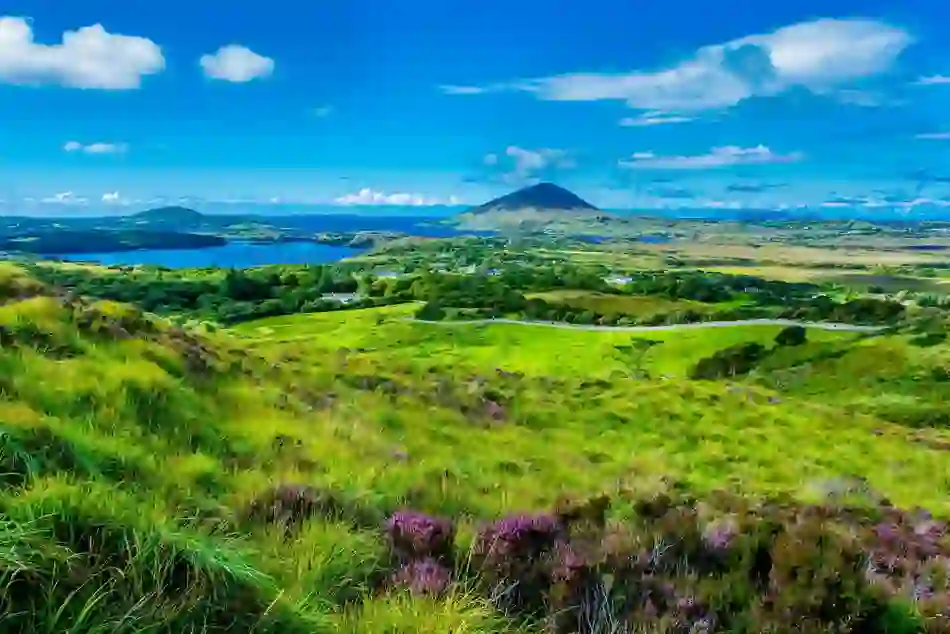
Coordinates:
(423, 576)
(413, 535)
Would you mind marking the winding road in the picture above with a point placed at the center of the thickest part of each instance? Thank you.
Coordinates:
(818, 325)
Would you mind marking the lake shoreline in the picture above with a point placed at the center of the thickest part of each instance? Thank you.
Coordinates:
(233, 254)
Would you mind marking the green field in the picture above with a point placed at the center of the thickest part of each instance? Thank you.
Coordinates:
(711, 434)
(134, 452)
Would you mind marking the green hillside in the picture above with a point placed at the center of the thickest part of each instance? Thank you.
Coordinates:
(156, 479)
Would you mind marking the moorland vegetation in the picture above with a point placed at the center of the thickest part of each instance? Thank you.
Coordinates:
(360, 471)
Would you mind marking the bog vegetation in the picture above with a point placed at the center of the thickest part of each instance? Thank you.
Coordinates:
(359, 471)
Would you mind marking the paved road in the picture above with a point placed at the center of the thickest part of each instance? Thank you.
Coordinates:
(818, 325)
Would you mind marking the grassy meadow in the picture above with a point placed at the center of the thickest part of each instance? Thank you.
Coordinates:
(142, 465)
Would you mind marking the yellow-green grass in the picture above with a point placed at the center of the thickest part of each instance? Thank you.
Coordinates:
(116, 446)
(631, 305)
(787, 273)
(790, 255)
(139, 445)
(703, 432)
(889, 283)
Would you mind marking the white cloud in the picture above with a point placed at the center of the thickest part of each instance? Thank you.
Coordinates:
(65, 198)
(521, 163)
(528, 161)
(725, 156)
(95, 148)
(933, 80)
(819, 56)
(367, 196)
(89, 57)
(113, 198)
(654, 118)
(462, 90)
(322, 111)
(934, 136)
(236, 64)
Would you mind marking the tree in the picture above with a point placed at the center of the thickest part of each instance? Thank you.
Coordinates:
(791, 336)
(431, 311)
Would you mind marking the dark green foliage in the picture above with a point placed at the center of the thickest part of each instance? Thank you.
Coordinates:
(791, 336)
(235, 296)
(732, 361)
(708, 287)
(59, 241)
(866, 310)
(431, 311)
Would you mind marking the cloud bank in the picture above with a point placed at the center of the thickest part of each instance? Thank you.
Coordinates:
(368, 196)
(820, 56)
(726, 156)
(89, 57)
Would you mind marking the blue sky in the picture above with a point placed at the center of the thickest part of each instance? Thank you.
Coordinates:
(112, 106)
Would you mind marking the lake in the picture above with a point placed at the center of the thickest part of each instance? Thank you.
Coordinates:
(245, 254)
(232, 255)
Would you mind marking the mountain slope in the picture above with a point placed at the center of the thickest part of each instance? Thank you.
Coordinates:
(543, 197)
(170, 214)
(542, 207)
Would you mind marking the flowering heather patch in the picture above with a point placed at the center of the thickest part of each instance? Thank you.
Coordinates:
(723, 565)
(415, 535)
(422, 576)
(518, 536)
(514, 553)
(720, 535)
(909, 557)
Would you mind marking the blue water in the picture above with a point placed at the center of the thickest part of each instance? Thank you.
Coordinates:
(232, 255)
(245, 255)
(422, 226)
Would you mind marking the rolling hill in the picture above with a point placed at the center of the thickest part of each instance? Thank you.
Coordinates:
(306, 474)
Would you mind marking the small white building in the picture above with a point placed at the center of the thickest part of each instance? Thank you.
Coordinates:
(343, 298)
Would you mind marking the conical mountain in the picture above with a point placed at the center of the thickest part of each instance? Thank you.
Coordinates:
(540, 197)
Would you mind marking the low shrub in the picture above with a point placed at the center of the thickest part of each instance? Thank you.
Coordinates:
(732, 361)
(681, 565)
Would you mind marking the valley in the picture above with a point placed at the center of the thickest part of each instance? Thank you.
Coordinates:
(375, 317)
(277, 448)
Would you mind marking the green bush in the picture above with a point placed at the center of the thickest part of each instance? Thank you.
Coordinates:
(791, 336)
(732, 361)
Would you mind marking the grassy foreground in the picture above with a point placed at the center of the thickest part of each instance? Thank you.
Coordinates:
(160, 480)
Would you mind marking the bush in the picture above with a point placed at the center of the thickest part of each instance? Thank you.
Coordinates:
(423, 576)
(415, 536)
(680, 565)
(732, 361)
(791, 336)
(431, 311)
